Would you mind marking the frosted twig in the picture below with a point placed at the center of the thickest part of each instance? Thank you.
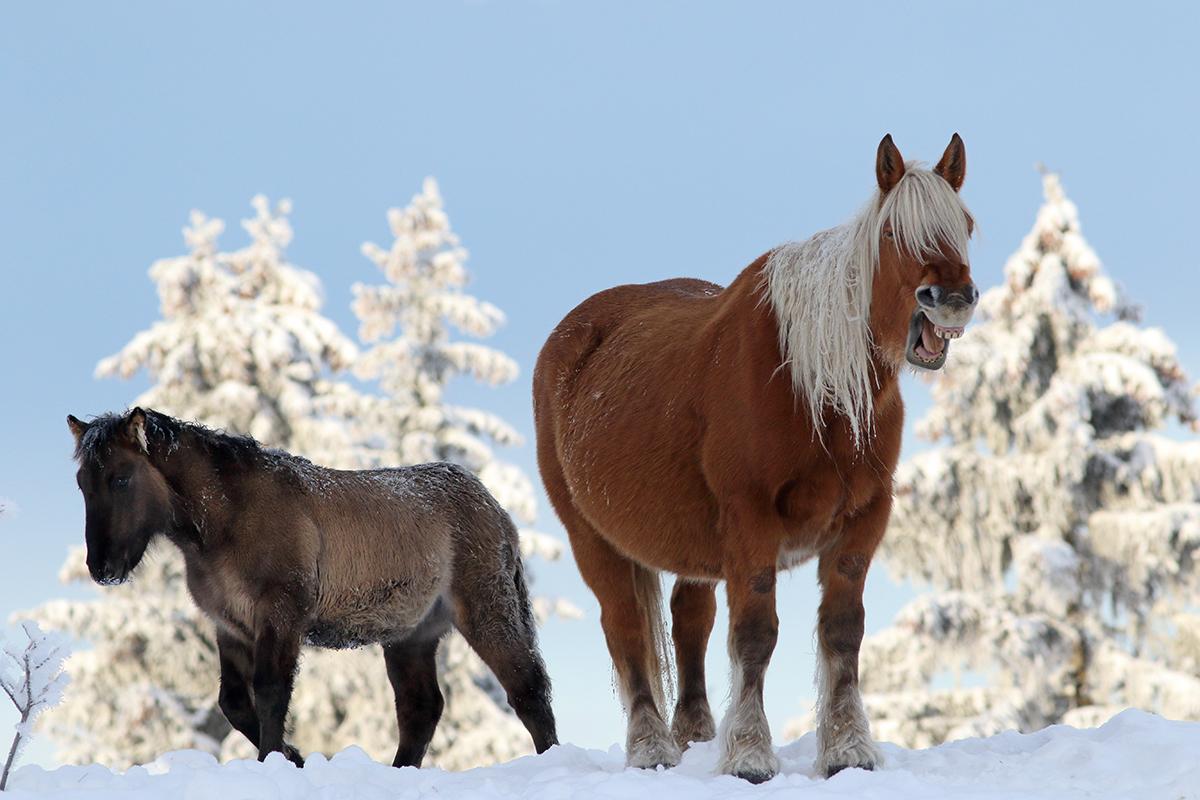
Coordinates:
(37, 686)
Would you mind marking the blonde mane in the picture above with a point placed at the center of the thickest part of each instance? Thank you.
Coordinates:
(820, 291)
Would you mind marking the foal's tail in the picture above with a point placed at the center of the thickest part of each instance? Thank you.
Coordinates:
(648, 590)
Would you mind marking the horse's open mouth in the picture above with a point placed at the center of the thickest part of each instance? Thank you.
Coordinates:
(928, 343)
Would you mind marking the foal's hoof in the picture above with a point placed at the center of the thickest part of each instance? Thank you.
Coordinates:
(293, 755)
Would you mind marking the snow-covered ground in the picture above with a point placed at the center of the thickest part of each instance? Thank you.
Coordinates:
(1135, 755)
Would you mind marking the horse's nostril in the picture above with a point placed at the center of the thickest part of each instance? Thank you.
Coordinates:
(971, 293)
(929, 296)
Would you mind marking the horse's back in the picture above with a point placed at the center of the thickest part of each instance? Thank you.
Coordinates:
(395, 540)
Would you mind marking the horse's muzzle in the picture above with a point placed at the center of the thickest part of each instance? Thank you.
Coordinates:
(941, 315)
(107, 573)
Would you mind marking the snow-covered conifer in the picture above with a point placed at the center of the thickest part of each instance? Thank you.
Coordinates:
(1060, 536)
(242, 343)
(407, 325)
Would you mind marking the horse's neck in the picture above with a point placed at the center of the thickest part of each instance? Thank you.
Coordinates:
(784, 322)
(198, 492)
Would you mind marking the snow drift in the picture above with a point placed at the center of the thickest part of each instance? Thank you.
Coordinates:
(1134, 755)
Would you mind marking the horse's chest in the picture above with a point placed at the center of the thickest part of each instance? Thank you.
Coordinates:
(816, 504)
(229, 602)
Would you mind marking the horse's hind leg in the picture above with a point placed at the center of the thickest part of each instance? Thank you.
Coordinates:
(628, 606)
(501, 629)
(693, 610)
(412, 670)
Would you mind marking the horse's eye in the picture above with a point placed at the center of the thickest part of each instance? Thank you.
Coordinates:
(120, 482)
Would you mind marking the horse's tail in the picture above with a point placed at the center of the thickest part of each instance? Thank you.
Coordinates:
(648, 590)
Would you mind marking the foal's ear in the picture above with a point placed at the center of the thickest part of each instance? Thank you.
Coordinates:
(135, 429)
(78, 428)
(953, 166)
(889, 165)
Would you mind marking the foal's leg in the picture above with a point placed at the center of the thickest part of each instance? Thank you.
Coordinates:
(412, 670)
(235, 700)
(843, 732)
(276, 654)
(693, 609)
(504, 634)
(753, 629)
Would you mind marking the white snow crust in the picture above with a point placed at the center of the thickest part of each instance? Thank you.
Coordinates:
(1133, 755)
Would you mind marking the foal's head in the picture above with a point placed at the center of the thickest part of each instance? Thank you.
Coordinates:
(126, 499)
(922, 228)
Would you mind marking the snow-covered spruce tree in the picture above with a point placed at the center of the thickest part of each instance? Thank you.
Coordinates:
(1059, 535)
(150, 684)
(242, 344)
(406, 325)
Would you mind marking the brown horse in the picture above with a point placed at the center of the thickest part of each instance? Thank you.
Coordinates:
(279, 550)
(727, 434)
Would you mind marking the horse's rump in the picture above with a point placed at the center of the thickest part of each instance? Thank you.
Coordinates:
(609, 386)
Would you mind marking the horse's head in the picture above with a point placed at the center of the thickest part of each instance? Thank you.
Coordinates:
(126, 499)
(923, 232)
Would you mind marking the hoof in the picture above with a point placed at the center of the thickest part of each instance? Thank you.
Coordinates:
(836, 768)
(756, 777)
(654, 754)
(694, 726)
(648, 743)
(751, 764)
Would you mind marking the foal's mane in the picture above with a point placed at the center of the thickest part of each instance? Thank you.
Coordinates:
(820, 291)
(161, 430)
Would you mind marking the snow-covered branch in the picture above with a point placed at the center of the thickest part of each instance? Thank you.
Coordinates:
(33, 679)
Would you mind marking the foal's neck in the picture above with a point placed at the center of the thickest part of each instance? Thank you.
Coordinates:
(200, 499)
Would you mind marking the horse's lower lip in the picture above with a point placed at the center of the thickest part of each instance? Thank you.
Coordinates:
(915, 325)
(110, 577)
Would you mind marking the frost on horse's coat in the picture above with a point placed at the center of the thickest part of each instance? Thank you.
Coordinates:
(280, 550)
(724, 434)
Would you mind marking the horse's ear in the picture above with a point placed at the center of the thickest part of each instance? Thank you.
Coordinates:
(78, 428)
(953, 166)
(889, 165)
(135, 429)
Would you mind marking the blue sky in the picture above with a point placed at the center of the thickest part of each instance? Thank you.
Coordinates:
(578, 145)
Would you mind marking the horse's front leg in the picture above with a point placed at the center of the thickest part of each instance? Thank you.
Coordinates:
(753, 629)
(276, 654)
(235, 699)
(843, 731)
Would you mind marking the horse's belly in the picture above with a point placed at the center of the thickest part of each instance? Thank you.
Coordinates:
(653, 512)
